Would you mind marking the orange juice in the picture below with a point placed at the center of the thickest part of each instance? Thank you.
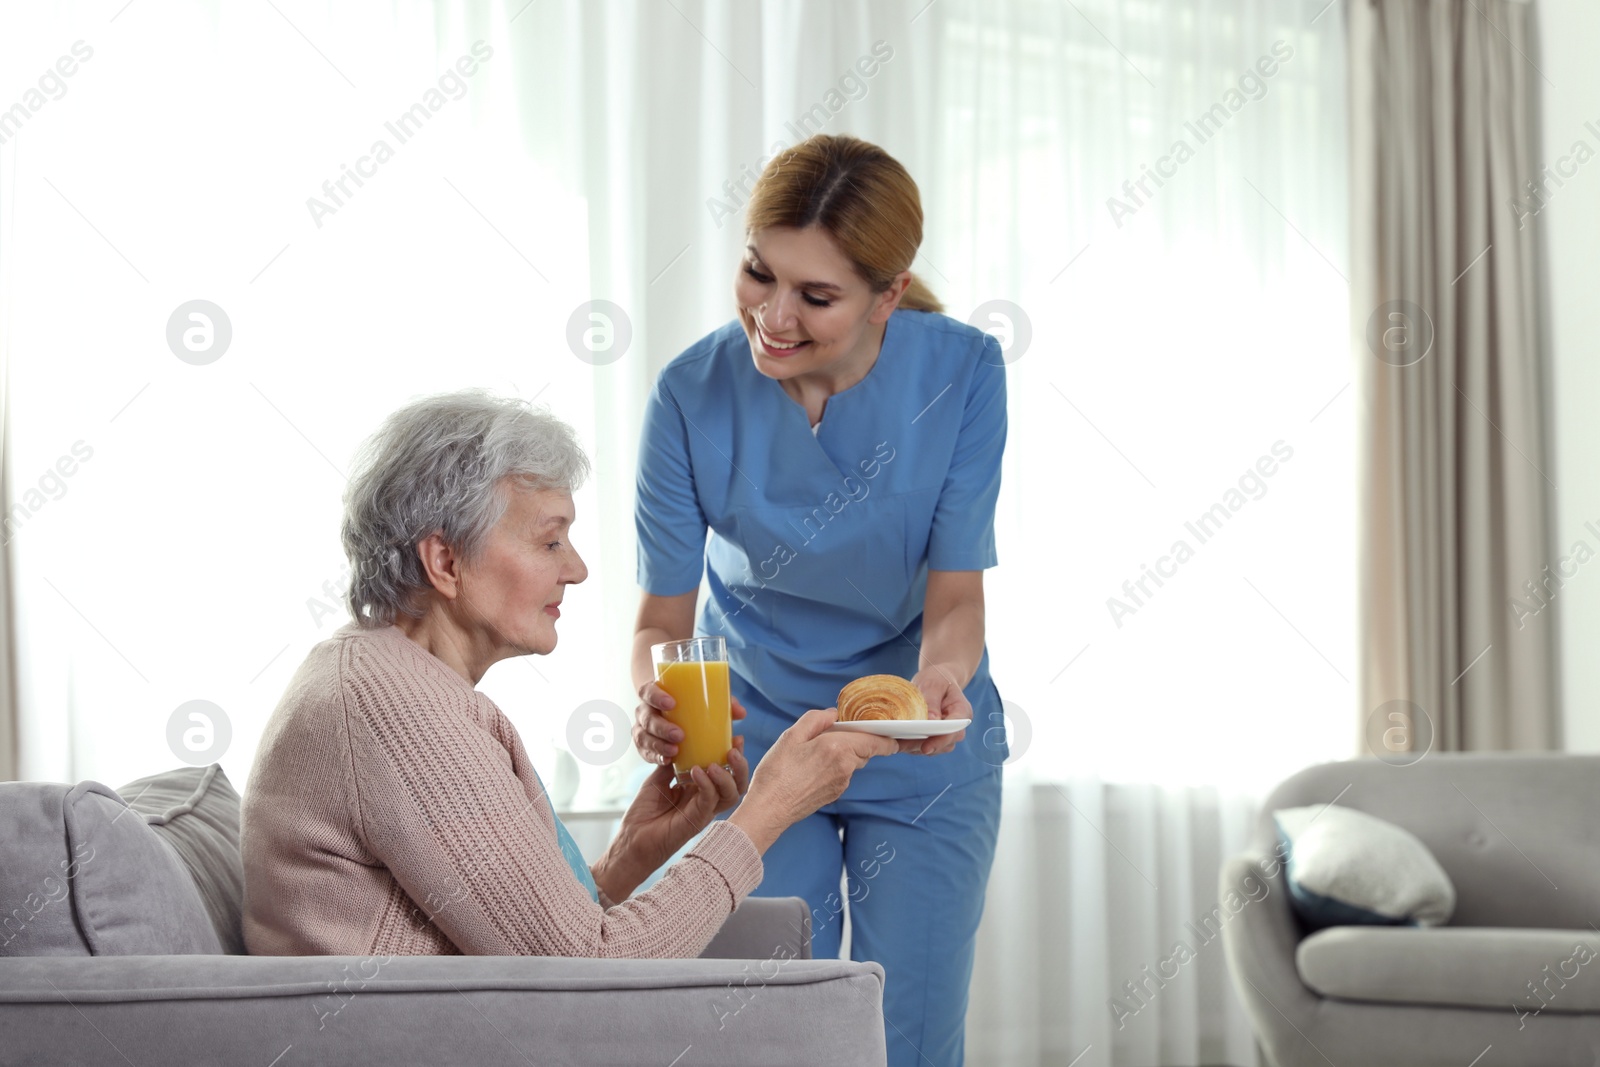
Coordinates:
(702, 712)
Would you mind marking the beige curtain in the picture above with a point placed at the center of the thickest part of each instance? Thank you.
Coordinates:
(1458, 653)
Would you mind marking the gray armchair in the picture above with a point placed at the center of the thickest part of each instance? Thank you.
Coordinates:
(114, 949)
(1517, 968)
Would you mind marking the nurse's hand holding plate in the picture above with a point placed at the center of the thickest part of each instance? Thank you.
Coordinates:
(927, 715)
(945, 701)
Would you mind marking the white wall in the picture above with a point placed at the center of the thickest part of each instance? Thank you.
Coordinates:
(1569, 224)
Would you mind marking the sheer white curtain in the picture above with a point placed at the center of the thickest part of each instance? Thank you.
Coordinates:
(1173, 618)
(1177, 375)
(229, 153)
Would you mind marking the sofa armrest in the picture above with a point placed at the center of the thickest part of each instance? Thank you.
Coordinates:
(764, 928)
(1260, 943)
(484, 1010)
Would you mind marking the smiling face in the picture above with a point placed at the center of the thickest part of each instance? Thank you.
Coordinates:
(511, 591)
(805, 309)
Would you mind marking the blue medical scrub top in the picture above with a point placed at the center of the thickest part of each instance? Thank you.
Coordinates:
(820, 544)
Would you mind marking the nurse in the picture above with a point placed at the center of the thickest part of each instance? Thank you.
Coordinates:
(841, 441)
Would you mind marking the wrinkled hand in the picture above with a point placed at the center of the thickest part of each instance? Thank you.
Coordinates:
(667, 813)
(808, 766)
(654, 735)
(945, 701)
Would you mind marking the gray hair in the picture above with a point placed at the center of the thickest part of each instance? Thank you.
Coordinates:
(436, 466)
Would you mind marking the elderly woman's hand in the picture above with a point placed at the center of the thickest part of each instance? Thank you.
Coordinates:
(654, 735)
(807, 767)
(666, 813)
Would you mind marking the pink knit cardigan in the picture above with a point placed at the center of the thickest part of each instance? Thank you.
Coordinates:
(392, 810)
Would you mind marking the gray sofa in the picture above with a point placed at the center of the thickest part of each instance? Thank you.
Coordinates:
(1514, 978)
(119, 944)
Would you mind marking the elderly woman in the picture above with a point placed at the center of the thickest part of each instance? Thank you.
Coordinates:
(392, 808)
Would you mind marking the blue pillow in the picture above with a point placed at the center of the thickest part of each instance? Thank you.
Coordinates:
(1345, 867)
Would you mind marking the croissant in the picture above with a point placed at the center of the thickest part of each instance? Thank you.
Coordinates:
(881, 696)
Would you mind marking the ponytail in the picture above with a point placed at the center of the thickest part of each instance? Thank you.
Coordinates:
(918, 297)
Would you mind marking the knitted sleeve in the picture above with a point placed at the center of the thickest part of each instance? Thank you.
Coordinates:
(450, 805)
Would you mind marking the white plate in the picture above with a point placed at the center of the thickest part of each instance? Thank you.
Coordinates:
(904, 729)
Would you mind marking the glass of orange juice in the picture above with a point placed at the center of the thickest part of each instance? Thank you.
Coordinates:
(695, 674)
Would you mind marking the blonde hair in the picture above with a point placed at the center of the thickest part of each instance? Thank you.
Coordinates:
(860, 196)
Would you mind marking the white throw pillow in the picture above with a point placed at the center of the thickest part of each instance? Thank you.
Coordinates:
(1347, 867)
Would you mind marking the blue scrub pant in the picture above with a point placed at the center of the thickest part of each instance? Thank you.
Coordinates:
(914, 869)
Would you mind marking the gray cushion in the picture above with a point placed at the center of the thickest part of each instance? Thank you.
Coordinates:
(78, 878)
(1531, 971)
(764, 928)
(36, 866)
(197, 811)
